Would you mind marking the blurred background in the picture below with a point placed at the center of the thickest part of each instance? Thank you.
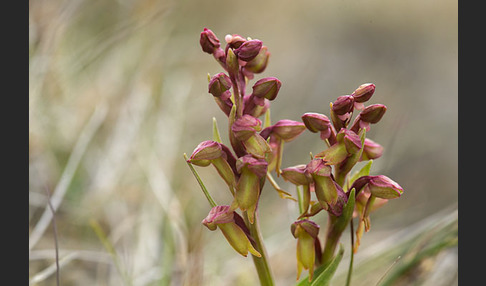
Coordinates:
(118, 93)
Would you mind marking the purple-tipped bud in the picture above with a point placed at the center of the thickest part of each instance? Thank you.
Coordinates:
(259, 63)
(371, 150)
(364, 92)
(205, 152)
(217, 154)
(325, 188)
(287, 129)
(351, 141)
(248, 50)
(343, 104)
(234, 232)
(316, 122)
(246, 126)
(306, 232)
(384, 187)
(373, 113)
(296, 175)
(379, 186)
(267, 88)
(217, 215)
(209, 42)
(219, 86)
(256, 166)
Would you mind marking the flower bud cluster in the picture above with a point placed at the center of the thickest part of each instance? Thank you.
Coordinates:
(257, 150)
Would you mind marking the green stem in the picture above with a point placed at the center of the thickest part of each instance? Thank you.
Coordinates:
(261, 263)
(332, 240)
(350, 270)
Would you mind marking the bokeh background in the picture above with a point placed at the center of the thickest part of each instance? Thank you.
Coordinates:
(118, 93)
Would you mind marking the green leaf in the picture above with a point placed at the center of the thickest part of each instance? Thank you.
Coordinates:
(323, 274)
(365, 171)
(216, 136)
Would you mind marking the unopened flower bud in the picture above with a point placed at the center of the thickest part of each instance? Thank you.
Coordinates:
(316, 122)
(244, 129)
(246, 126)
(212, 152)
(205, 152)
(232, 227)
(259, 63)
(296, 175)
(351, 141)
(370, 115)
(373, 113)
(343, 105)
(364, 92)
(306, 232)
(287, 129)
(379, 186)
(371, 150)
(219, 86)
(248, 50)
(383, 187)
(266, 88)
(208, 40)
(325, 188)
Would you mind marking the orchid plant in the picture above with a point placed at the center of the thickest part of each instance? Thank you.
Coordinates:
(324, 183)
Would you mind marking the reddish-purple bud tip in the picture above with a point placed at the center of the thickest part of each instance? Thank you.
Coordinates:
(208, 40)
(296, 175)
(205, 152)
(316, 122)
(373, 113)
(287, 129)
(364, 92)
(343, 104)
(245, 126)
(256, 166)
(248, 50)
(219, 86)
(267, 88)
(217, 215)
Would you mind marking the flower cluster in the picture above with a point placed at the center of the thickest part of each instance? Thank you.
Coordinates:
(257, 150)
